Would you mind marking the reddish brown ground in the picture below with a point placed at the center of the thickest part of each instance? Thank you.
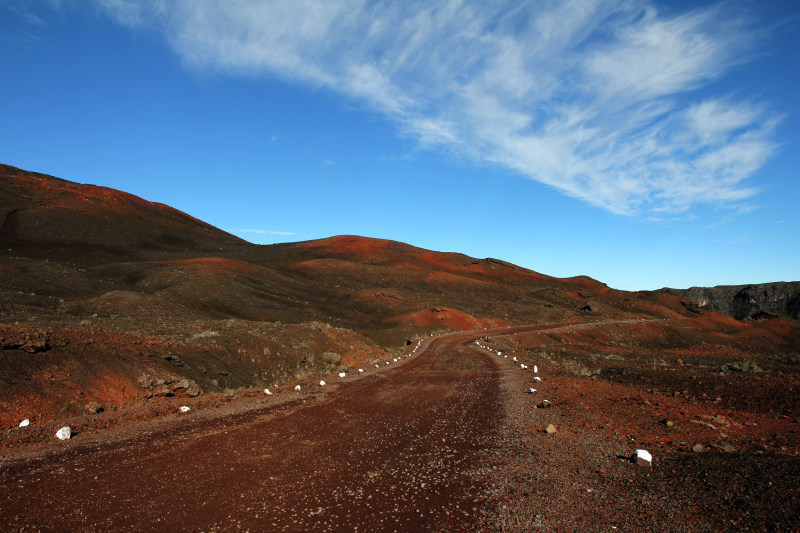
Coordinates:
(448, 440)
(114, 311)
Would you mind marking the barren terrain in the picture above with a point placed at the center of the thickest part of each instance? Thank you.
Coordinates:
(115, 312)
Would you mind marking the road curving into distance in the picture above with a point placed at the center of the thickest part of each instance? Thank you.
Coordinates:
(391, 450)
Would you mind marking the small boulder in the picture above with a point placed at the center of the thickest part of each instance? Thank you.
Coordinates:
(545, 404)
(297, 387)
(698, 448)
(64, 433)
(184, 409)
(726, 446)
(322, 383)
(25, 423)
(550, 429)
(642, 458)
(342, 374)
(267, 392)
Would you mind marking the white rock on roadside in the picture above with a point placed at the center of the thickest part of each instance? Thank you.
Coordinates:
(64, 433)
(267, 392)
(360, 370)
(643, 458)
(25, 423)
(297, 387)
(342, 374)
(184, 409)
(321, 383)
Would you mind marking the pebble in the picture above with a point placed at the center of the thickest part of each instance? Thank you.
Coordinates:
(698, 448)
(550, 429)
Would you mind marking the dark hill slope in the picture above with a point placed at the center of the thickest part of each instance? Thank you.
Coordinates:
(86, 250)
(44, 212)
(106, 298)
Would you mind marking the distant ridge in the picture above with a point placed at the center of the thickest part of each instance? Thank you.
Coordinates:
(744, 302)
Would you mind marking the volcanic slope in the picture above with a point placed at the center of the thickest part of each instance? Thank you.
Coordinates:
(109, 300)
(107, 252)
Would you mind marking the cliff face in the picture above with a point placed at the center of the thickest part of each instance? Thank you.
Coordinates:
(747, 301)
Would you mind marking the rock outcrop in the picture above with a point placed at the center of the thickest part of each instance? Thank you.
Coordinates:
(744, 302)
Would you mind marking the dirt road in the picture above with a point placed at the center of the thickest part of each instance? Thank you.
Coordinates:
(392, 451)
(446, 440)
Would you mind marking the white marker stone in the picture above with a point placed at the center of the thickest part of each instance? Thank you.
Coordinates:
(643, 458)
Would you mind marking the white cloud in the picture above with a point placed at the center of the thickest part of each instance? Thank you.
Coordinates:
(598, 99)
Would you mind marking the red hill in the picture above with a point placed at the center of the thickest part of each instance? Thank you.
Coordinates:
(130, 299)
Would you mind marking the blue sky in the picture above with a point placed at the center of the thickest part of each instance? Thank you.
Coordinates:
(645, 144)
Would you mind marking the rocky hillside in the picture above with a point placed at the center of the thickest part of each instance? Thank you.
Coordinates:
(744, 302)
(109, 299)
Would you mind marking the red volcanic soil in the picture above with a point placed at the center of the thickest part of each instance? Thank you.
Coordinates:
(447, 441)
(453, 319)
(114, 311)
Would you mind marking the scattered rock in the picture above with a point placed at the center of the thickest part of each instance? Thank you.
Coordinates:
(167, 386)
(342, 374)
(25, 423)
(740, 366)
(550, 429)
(698, 448)
(669, 423)
(322, 383)
(642, 458)
(64, 433)
(184, 409)
(545, 404)
(267, 392)
(725, 446)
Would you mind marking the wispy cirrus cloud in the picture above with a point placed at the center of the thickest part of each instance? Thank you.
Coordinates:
(598, 99)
